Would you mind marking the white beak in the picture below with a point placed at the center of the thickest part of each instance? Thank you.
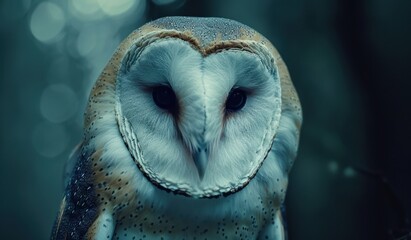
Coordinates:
(200, 159)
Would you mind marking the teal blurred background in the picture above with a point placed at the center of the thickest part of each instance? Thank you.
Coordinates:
(349, 60)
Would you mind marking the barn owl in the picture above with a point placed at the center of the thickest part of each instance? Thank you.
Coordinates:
(189, 133)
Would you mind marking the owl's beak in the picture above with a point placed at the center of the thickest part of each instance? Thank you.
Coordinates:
(200, 160)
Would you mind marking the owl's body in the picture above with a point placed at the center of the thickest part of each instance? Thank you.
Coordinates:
(190, 133)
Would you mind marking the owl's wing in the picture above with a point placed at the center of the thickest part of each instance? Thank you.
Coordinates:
(276, 230)
(78, 209)
(70, 163)
(284, 220)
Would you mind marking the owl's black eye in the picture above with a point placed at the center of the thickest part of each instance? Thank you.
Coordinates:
(164, 98)
(236, 100)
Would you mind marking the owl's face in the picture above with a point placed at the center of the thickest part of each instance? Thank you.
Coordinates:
(201, 114)
(201, 121)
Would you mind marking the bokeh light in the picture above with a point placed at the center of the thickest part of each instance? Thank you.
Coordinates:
(49, 139)
(333, 166)
(84, 10)
(85, 7)
(87, 41)
(58, 103)
(117, 7)
(349, 172)
(47, 22)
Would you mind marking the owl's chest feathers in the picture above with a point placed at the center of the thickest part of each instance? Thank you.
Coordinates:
(178, 219)
(140, 209)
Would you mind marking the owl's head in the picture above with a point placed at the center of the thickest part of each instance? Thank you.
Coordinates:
(201, 104)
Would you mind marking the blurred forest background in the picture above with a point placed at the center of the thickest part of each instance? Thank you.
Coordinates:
(349, 60)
